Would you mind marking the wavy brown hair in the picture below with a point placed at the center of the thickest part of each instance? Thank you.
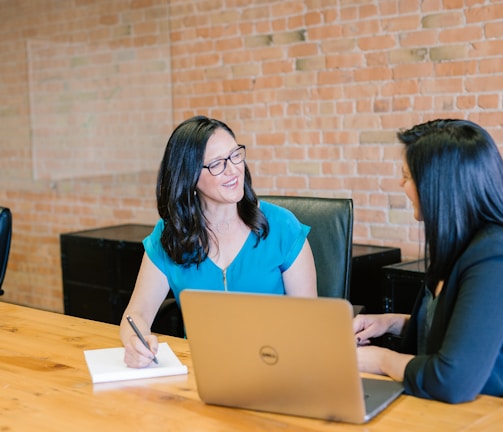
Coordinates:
(186, 235)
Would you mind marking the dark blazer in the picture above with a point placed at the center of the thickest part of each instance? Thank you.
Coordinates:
(465, 345)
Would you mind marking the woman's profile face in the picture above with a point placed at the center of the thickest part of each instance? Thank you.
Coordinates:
(409, 187)
(227, 187)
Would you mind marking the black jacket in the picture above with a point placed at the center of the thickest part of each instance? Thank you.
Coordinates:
(465, 345)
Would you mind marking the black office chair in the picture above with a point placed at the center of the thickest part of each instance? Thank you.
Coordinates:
(5, 236)
(330, 238)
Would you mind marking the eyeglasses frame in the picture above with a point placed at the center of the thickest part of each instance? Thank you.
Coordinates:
(228, 158)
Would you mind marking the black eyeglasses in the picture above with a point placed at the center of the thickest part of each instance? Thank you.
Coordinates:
(218, 166)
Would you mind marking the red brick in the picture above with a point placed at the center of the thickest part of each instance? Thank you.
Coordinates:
(490, 101)
(484, 13)
(420, 38)
(466, 102)
(487, 48)
(493, 30)
(453, 68)
(484, 83)
(291, 182)
(377, 42)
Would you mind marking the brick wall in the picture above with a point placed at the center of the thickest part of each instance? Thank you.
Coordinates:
(316, 89)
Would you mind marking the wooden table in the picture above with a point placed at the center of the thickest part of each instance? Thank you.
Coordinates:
(45, 386)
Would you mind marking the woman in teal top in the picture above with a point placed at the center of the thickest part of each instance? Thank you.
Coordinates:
(213, 233)
(256, 268)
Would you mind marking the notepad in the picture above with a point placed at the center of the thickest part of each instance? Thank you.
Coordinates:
(107, 365)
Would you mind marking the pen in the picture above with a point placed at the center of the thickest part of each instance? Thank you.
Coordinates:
(144, 342)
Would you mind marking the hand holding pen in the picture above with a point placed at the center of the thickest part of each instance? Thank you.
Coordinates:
(140, 336)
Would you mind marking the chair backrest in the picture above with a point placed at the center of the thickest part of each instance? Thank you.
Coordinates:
(330, 238)
(5, 236)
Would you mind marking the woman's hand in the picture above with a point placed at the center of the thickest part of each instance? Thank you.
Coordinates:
(372, 326)
(137, 355)
(366, 327)
(374, 359)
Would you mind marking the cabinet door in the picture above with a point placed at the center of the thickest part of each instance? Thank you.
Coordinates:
(89, 301)
(402, 283)
(88, 261)
(402, 291)
(366, 286)
(99, 276)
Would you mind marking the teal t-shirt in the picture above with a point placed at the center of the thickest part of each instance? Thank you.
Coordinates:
(256, 269)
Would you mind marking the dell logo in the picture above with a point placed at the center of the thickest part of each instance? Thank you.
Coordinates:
(268, 355)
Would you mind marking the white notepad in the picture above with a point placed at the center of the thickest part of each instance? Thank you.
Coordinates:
(106, 365)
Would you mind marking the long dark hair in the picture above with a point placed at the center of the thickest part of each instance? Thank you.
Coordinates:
(186, 236)
(458, 172)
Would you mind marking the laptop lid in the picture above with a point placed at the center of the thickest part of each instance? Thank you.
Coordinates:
(280, 354)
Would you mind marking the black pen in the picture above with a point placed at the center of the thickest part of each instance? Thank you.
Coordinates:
(144, 342)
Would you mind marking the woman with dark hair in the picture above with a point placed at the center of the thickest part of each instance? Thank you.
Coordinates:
(213, 234)
(453, 341)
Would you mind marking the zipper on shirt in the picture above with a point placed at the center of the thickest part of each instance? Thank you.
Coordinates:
(224, 273)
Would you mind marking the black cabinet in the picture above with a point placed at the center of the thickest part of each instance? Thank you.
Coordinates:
(366, 282)
(402, 283)
(99, 269)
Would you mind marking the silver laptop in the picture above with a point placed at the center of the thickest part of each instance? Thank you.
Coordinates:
(280, 354)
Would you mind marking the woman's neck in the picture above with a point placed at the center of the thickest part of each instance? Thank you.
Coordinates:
(222, 219)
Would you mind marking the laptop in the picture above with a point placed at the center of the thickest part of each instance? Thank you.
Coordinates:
(280, 354)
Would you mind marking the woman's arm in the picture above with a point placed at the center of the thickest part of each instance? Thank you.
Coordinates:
(150, 290)
(465, 358)
(300, 278)
(383, 361)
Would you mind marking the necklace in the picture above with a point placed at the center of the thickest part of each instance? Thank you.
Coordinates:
(224, 227)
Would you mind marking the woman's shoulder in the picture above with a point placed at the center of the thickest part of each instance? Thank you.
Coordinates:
(490, 233)
(154, 238)
(486, 243)
(282, 221)
(158, 227)
(274, 212)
